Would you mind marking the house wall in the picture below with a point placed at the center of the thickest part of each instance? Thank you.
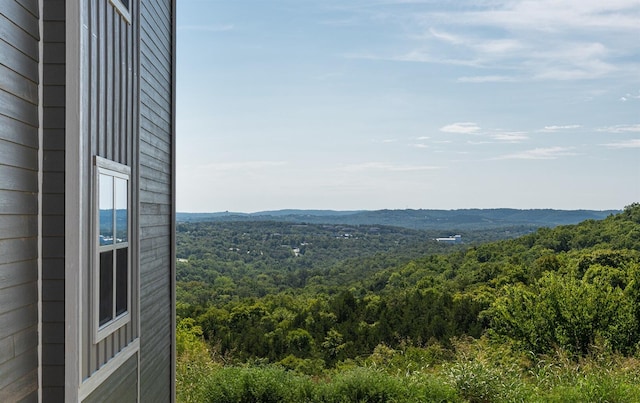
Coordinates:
(110, 111)
(121, 387)
(118, 105)
(53, 102)
(19, 143)
(156, 199)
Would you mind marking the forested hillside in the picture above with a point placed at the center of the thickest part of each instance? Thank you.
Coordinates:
(218, 261)
(458, 220)
(573, 289)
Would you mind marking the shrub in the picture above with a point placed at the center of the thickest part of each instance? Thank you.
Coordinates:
(486, 372)
(263, 384)
(407, 360)
(193, 362)
(306, 366)
(371, 385)
(600, 377)
(478, 381)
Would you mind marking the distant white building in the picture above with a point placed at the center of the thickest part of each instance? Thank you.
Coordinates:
(451, 239)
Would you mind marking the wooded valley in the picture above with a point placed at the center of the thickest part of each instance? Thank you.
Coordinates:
(334, 310)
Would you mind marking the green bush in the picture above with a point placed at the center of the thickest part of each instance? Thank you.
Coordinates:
(478, 381)
(361, 385)
(262, 384)
(371, 385)
(408, 359)
(193, 361)
(306, 366)
(480, 372)
(598, 378)
(275, 384)
(594, 387)
(484, 371)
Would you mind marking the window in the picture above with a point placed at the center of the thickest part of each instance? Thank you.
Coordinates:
(122, 6)
(112, 259)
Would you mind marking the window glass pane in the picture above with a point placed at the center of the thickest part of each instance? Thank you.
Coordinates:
(122, 213)
(106, 287)
(105, 199)
(122, 280)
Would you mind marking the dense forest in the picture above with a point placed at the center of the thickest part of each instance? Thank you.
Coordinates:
(457, 322)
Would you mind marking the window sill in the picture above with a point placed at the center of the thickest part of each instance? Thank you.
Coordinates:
(104, 331)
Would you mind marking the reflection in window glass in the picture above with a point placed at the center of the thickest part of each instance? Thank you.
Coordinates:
(121, 208)
(122, 277)
(106, 287)
(106, 209)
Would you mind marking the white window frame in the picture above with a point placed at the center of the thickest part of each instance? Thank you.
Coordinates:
(123, 10)
(107, 167)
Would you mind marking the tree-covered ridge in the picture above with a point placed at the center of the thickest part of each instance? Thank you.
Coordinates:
(421, 219)
(572, 287)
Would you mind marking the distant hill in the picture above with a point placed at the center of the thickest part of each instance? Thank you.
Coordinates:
(446, 220)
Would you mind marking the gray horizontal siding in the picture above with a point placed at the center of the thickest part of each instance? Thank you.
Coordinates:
(17, 108)
(19, 121)
(20, 226)
(14, 83)
(19, 179)
(18, 132)
(14, 274)
(17, 155)
(14, 59)
(156, 199)
(18, 203)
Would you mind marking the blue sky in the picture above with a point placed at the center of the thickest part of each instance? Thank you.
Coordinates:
(356, 104)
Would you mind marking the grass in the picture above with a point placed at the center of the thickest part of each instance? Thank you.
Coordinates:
(474, 371)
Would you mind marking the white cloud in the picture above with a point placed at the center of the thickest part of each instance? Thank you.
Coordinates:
(629, 96)
(379, 166)
(510, 137)
(419, 145)
(461, 127)
(487, 79)
(241, 166)
(491, 46)
(447, 37)
(548, 153)
(621, 129)
(477, 143)
(555, 128)
(532, 40)
(559, 15)
(426, 56)
(572, 61)
(633, 143)
(498, 46)
(423, 138)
